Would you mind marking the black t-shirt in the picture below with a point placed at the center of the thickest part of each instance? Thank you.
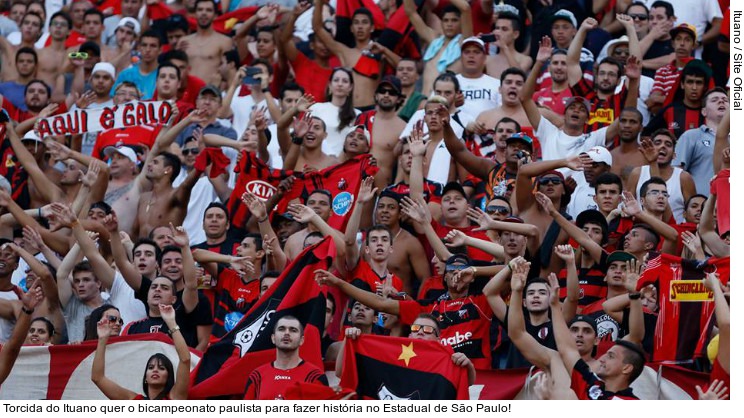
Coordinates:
(543, 333)
(656, 50)
(188, 321)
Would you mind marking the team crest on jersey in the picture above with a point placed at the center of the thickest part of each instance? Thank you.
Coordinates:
(154, 329)
(342, 203)
(543, 333)
(501, 188)
(342, 184)
(386, 394)
(245, 338)
(706, 142)
(9, 161)
(595, 392)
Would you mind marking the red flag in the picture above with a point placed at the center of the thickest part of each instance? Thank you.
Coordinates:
(224, 369)
(676, 382)
(224, 24)
(721, 187)
(500, 384)
(392, 368)
(342, 181)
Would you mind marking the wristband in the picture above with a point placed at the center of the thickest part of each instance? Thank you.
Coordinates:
(27, 311)
(266, 90)
(176, 328)
(39, 214)
(265, 218)
(634, 296)
(297, 140)
(475, 271)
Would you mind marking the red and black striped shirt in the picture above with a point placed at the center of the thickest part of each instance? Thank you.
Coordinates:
(676, 117)
(604, 111)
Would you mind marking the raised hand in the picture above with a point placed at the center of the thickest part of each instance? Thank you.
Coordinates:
(285, 185)
(634, 268)
(104, 329)
(520, 269)
(588, 24)
(712, 281)
(555, 289)
(633, 68)
(179, 236)
(367, 191)
(254, 205)
(546, 49)
(305, 102)
(260, 120)
(63, 214)
(416, 140)
(455, 238)
(444, 114)
(94, 172)
(325, 277)
(543, 386)
(631, 206)
(301, 125)
(167, 313)
(268, 245)
(85, 99)
(49, 110)
(5, 198)
(480, 217)
(416, 211)
(32, 240)
(649, 151)
(625, 20)
(565, 253)
(716, 391)
(33, 297)
(691, 241)
(576, 162)
(111, 222)
(58, 151)
(545, 203)
(300, 8)
(301, 213)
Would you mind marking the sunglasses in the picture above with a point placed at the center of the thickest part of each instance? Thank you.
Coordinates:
(501, 210)
(115, 319)
(192, 151)
(390, 92)
(455, 267)
(639, 17)
(428, 329)
(78, 55)
(549, 180)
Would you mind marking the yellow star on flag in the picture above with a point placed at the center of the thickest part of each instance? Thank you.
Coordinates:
(406, 353)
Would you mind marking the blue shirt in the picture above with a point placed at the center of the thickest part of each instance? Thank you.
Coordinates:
(145, 83)
(15, 93)
(213, 128)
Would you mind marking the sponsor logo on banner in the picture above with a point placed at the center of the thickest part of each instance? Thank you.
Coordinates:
(689, 291)
(261, 189)
(246, 337)
(342, 203)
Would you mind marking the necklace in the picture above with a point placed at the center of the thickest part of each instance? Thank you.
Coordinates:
(150, 203)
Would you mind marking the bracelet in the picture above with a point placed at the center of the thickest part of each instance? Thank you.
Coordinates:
(176, 328)
(265, 218)
(508, 265)
(634, 296)
(297, 140)
(475, 271)
(27, 311)
(39, 214)
(266, 90)
(74, 223)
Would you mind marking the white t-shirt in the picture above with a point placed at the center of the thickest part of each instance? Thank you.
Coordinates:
(201, 196)
(644, 90)
(480, 93)
(333, 145)
(275, 152)
(122, 296)
(440, 164)
(556, 144)
(582, 198)
(242, 106)
(458, 127)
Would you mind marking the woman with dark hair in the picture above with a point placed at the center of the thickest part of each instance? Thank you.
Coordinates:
(160, 381)
(111, 313)
(40, 332)
(337, 111)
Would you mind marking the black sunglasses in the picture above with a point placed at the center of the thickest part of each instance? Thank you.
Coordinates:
(639, 17)
(114, 319)
(193, 151)
(501, 210)
(549, 180)
(390, 92)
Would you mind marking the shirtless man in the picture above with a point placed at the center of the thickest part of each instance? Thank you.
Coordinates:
(206, 46)
(50, 57)
(30, 30)
(43, 180)
(319, 201)
(386, 128)
(407, 259)
(626, 157)
(120, 191)
(306, 151)
(506, 32)
(361, 27)
(512, 80)
(457, 24)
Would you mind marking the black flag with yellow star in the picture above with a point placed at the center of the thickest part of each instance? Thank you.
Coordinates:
(391, 368)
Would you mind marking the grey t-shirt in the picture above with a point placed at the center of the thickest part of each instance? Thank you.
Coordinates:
(75, 313)
(694, 153)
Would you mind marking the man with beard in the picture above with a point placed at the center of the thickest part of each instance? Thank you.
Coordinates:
(26, 63)
(407, 259)
(605, 104)
(694, 150)
(101, 80)
(144, 73)
(596, 161)
(37, 96)
(679, 184)
(553, 96)
(506, 30)
(206, 46)
(480, 90)
(627, 155)
(384, 127)
(407, 73)
(271, 380)
(53, 54)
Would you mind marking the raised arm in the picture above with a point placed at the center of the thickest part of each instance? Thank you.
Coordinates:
(127, 269)
(723, 320)
(373, 300)
(485, 222)
(532, 351)
(707, 229)
(528, 90)
(190, 297)
(523, 185)
(423, 30)
(367, 193)
(419, 213)
(258, 211)
(48, 190)
(563, 339)
(477, 166)
(418, 151)
(111, 389)
(633, 208)
(566, 254)
(286, 41)
(466, 20)
(64, 282)
(494, 287)
(304, 214)
(574, 51)
(636, 326)
(722, 140)
(180, 388)
(10, 350)
(456, 238)
(337, 48)
(595, 250)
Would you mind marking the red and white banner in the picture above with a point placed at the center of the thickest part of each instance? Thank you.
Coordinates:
(63, 371)
(125, 115)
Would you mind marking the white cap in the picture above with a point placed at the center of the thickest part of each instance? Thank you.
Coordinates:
(123, 150)
(31, 136)
(565, 14)
(130, 22)
(473, 40)
(106, 67)
(599, 155)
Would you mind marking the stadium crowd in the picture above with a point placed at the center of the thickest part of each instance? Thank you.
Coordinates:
(522, 182)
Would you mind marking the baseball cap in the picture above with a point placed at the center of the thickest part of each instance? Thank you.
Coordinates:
(177, 21)
(363, 130)
(459, 258)
(513, 219)
(564, 15)
(520, 136)
(583, 100)
(131, 23)
(474, 40)
(621, 256)
(684, 27)
(593, 216)
(211, 90)
(584, 318)
(392, 81)
(123, 150)
(105, 67)
(453, 185)
(553, 173)
(31, 136)
(599, 155)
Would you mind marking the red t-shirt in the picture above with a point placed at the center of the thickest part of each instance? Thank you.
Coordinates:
(232, 296)
(588, 386)
(552, 100)
(680, 324)
(193, 85)
(74, 39)
(473, 253)
(267, 382)
(465, 324)
(136, 135)
(365, 278)
(311, 76)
